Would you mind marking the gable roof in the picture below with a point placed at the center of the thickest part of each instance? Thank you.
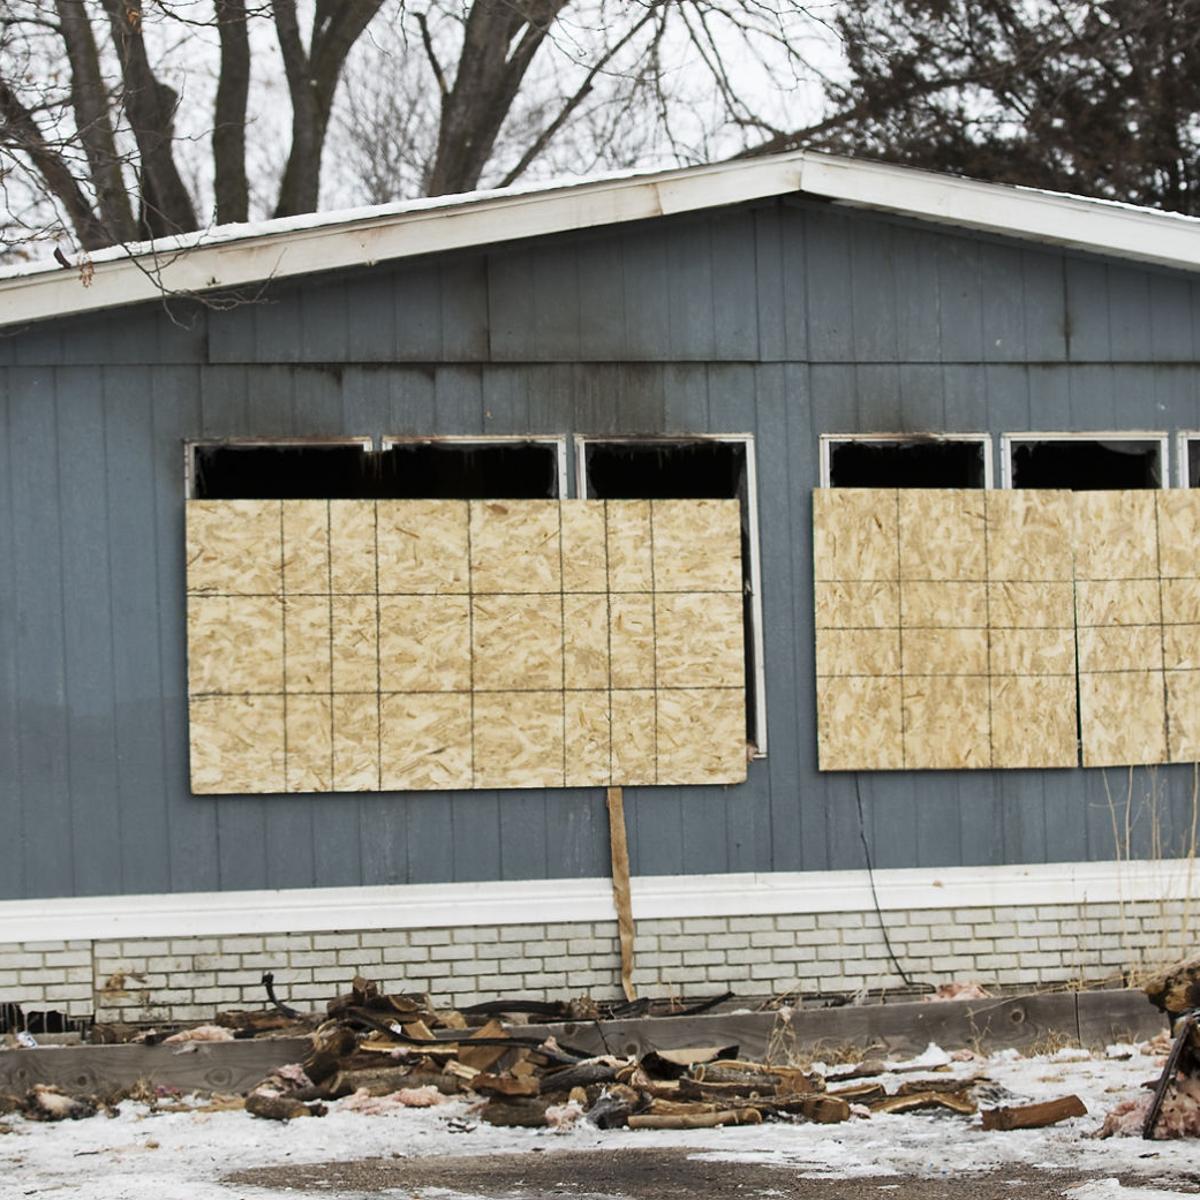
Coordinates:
(235, 256)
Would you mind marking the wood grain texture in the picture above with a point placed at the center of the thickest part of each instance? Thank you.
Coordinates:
(946, 722)
(430, 645)
(234, 546)
(1123, 718)
(855, 534)
(1115, 535)
(1033, 721)
(856, 604)
(942, 534)
(1029, 536)
(859, 724)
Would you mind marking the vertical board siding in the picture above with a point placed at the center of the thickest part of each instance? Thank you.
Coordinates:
(786, 320)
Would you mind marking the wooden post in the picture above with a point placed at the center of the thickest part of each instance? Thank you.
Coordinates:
(619, 850)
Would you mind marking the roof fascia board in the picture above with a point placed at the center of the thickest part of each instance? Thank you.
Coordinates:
(1073, 222)
(238, 263)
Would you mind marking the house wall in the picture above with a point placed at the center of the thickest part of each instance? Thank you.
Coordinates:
(785, 320)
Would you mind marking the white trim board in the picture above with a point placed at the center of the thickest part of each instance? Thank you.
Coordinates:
(541, 901)
(234, 256)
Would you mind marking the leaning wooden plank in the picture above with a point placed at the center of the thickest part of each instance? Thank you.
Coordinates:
(915, 1101)
(1034, 1116)
(205, 1067)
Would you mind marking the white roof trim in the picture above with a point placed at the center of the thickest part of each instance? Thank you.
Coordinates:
(238, 255)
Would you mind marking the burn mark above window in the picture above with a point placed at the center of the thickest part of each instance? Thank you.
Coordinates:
(450, 470)
(932, 462)
(1082, 464)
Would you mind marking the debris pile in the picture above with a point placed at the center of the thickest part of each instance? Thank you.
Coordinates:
(1172, 1108)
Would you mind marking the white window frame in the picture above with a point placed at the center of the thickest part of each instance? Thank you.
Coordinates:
(1009, 440)
(558, 440)
(192, 445)
(757, 652)
(1183, 474)
(828, 440)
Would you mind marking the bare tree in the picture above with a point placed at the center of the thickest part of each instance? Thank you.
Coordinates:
(107, 106)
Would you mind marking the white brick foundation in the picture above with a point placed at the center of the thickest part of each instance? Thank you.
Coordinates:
(189, 978)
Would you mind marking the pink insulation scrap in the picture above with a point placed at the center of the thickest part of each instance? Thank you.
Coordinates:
(201, 1033)
(396, 1102)
(964, 990)
(1179, 1117)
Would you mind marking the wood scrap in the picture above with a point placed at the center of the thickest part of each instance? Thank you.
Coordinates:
(521, 1113)
(915, 1101)
(699, 1120)
(505, 1085)
(1033, 1116)
(281, 1108)
(824, 1109)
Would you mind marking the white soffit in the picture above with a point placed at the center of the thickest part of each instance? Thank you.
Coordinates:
(538, 901)
(239, 255)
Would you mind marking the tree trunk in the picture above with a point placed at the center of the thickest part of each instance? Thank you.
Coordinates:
(150, 107)
(485, 86)
(313, 78)
(229, 117)
(89, 99)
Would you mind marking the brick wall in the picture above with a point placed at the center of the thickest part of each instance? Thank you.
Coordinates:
(191, 978)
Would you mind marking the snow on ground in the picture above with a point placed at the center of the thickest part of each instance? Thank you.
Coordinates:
(143, 1155)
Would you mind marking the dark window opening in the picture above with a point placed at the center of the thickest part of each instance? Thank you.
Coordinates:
(1084, 465)
(1193, 462)
(920, 462)
(405, 471)
(684, 470)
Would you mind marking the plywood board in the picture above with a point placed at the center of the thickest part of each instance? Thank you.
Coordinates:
(1029, 536)
(634, 735)
(352, 559)
(585, 641)
(423, 546)
(588, 742)
(1116, 535)
(425, 742)
(1038, 728)
(946, 722)
(519, 739)
(697, 545)
(1183, 713)
(1181, 647)
(1121, 648)
(858, 652)
(859, 724)
(630, 543)
(855, 534)
(308, 652)
(1031, 652)
(631, 640)
(424, 643)
(517, 642)
(943, 604)
(234, 547)
(356, 742)
(1013, 604)
(306, 567)
(515, 546)
(697, 735)
(1181, 600)
(309, 762)
(1117, 602)
(584, 553)
(942, 534)
(944, 652)
(446, 644)
(1123, 718)
(235, 644)
(1179, 532)
(236, 744)
(856, 604)
(698, 640)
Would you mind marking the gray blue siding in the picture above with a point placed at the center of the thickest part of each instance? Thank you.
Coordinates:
(785, 320)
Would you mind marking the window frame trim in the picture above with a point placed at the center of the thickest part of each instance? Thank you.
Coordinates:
(1183, 471)
(826, 441)
(1009, 439)
(758, 650)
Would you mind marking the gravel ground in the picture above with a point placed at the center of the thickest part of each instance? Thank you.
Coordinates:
(663, 1174)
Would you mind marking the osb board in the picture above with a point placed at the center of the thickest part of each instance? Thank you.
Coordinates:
(1120, 632)
(1178, 531)
(344, 645)
(942, 616)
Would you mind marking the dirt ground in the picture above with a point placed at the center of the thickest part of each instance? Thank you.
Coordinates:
(650, 1174)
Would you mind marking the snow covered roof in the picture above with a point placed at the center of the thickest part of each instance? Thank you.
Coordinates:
(234, 256)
